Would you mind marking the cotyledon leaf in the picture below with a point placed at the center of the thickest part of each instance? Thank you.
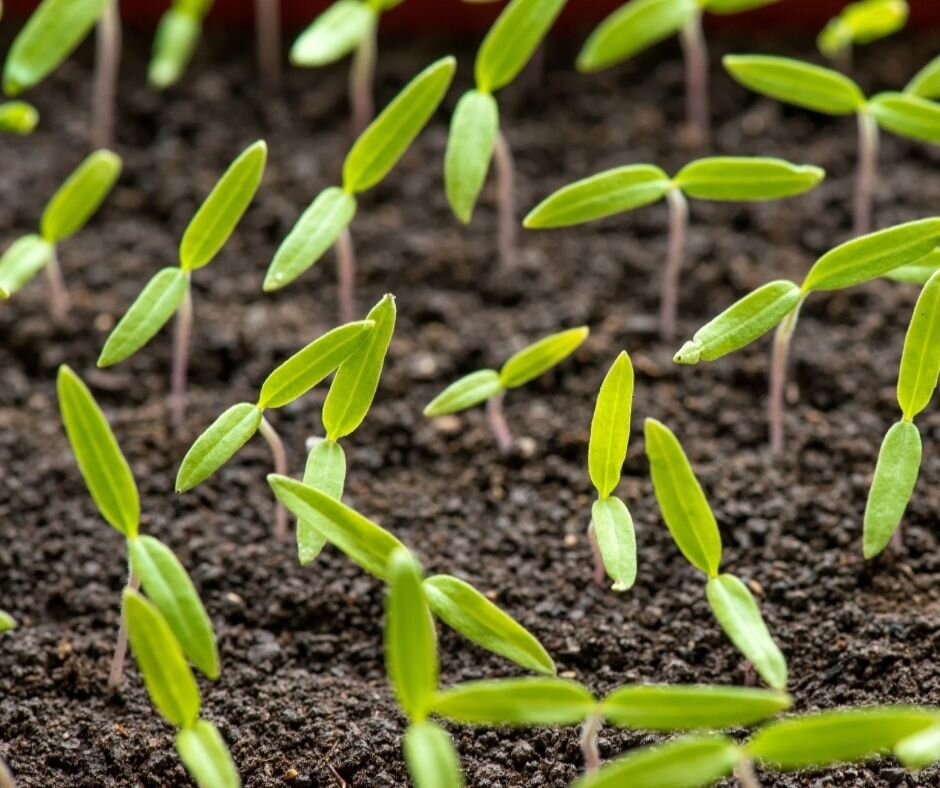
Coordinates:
(205, 756)
(918, 272)
(920, 750)
(610, 426)
(173, 46)
(616, 541)
(464, 393)
(926, 82)
(746, 178)
(431, 757)
(225, 436)
(18, 117)
(920, 359)
(7, 622)
(333, 34)
(325, 471)
(907, 115)
(522, 701)
(80, 195)
(25, 258)
(540, 356)
(470, 144)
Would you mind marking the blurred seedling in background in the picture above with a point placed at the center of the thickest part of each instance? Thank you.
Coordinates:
(326, 221)
(831, 93)
(268, 41)
(490, 386)
(288, 382)
(111, 483)
(778, 303)
(860, 23)
(925, 83)
(169, 292)
(65, 214)
(692, 524)
(175, 41)
(475, 136)
(720, 178)
(640, 24)
(18, 117)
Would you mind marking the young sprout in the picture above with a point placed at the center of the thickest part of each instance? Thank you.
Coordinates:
(778, 303)
(177, 35)
(692, 524)
(268, 40)
(899, 458)
(161, 659)
(18, 117)
(831, 93)
(490, 386)
(114, 491)
(379, 147)
(640, 24)
(721, 178)
(64, 215)
(861, 22)
(169, 291)
(475, 136)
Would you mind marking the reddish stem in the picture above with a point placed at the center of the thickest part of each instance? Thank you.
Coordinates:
(268, 41)
(778, 379)
(695, 53)
(494, 413)
(592, 755)
(361, 81)
(108, 61)
(678, 224)
(116, 674)
(506, 178)
(346, 274)
(280, 467)
(181, 340)
(58, 295)
(867, 163)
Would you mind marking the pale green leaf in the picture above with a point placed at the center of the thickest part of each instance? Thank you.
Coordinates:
(610, 426)
(470, 144)
(80, 196)
(926, 82)
(203, 752)
(920, 750)
(523, 701)
(173, 47)
(907, 116)
(862, 23)
(920, 360)
(25, 258)
(225, 436)
(6, 622)
(918, 272)
(431, 757)
(18, 117)
(734, 6)
(541, 356)
(333, 34)
(892, 486)
(326, 472)
(616, 541)
(464, 393)
(746, 178)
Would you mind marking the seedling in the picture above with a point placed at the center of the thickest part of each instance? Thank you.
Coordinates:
(177, 35)
(111, 483)
(639, 24)
(721, 178)
(18, 117)
(861, 23)
(692, 524)
(831, 93)
(288, 382)
(379, 147)
(65, 214)
(490, 386)
(169, 291)
(778, 303)
(475, 135)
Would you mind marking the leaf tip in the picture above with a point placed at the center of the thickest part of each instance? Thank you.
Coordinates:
(690, 353)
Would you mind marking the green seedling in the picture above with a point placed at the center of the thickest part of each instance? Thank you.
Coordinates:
(720, 178)
(640, 24)
(18, 117)
(861, 23)
(379, 147)
(693, 528)
(900, 455)
(288, 382)
(161, 660)
(111, 483)
(65, 214)
(455, 602)
(169, 291)
(831, 93)
(475, 134)
(926, 82)
(778, 303)
(490, 386)
(177, 35)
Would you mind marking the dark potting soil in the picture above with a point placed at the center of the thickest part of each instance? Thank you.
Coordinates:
(303, 698)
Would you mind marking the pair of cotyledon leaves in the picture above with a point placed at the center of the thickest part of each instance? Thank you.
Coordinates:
(862, 23)
(176, 38)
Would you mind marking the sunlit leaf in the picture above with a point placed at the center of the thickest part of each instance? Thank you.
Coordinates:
(431, 757)
(610, 426)
(541, 356)
(18, 117)
(464, 393)
(862, 23)
(524, 701)
(205, 756)
(225, 436)
(470, 143)
(907, 115)
(79, 197)
(892, 486)
(920, 360)
(746, 178)
(325, 471)
(616, 541)
(25, 258)
(333, 34)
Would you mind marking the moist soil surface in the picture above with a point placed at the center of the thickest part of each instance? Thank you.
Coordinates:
(303, 698)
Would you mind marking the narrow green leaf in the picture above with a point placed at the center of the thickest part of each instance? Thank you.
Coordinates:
(734, 6)
(80, 196)
(541, 356)
(151, 310)
(307, 367)
(225, 436)
(161, 662)
(613, 529)
(671, 707)
(926, 82)
(464, 393)
(862, 23)
(25, 258)
(605, 194)
(633, 27)
(333, 34)
(746, 178)
(6, 622)
(920, 750)
(316, 231)
(512, 40)
(610, 426)
(431, 757)
(362, 540)
(326, 472)
(50, 35)
(741, 323)
(357, 379)
(466, 610)
(173, 47)
(681, 499)
(740, 618)
(907, 116)
(920, 360)
(470, 143)
(387, 138)
(795, 82)
(169, 587)
(203, 752)
(410, 639)
(18, 117)
(918, 272)
(523, 701)
(107, 474)
(892, 486)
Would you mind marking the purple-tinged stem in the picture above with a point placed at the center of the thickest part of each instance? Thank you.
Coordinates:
(678, 227)
(361, 80)
(506, 185)
(268, 41)
(695, 54)
(778, 379)
(58, 295)
(744, 771)
(592, 755)
(600, 571)
(497, 420)
(867, 163)
(116, 674)
(280, 467)
(181, 339)
(346, 274)
(108, 62)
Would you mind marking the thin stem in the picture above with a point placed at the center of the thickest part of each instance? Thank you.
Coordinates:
(678, 225)
(695, 53)
(361, 80)
(346, 274)
(116, 674)
(108, 61)
(494, 413)
(506, 185)
(181, 339)
(6, 777)
(280, 467)
(58, 295)
(600, 571)
(268, 41)
(778, 379)
(867, 163)
(744, 771)
(592, 755)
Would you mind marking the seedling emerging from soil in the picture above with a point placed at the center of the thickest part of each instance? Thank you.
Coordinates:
(831, 93)
(288, 382)
(65, 214)
(778, 303)
(639, 24)
(722, 178)
(475, 135)
(692, 525)
(161, 659)
(176, 39)
(490, 386)
(379, 147)
(114, 491)
(18, 117)
(861, 23)
(169, 291)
